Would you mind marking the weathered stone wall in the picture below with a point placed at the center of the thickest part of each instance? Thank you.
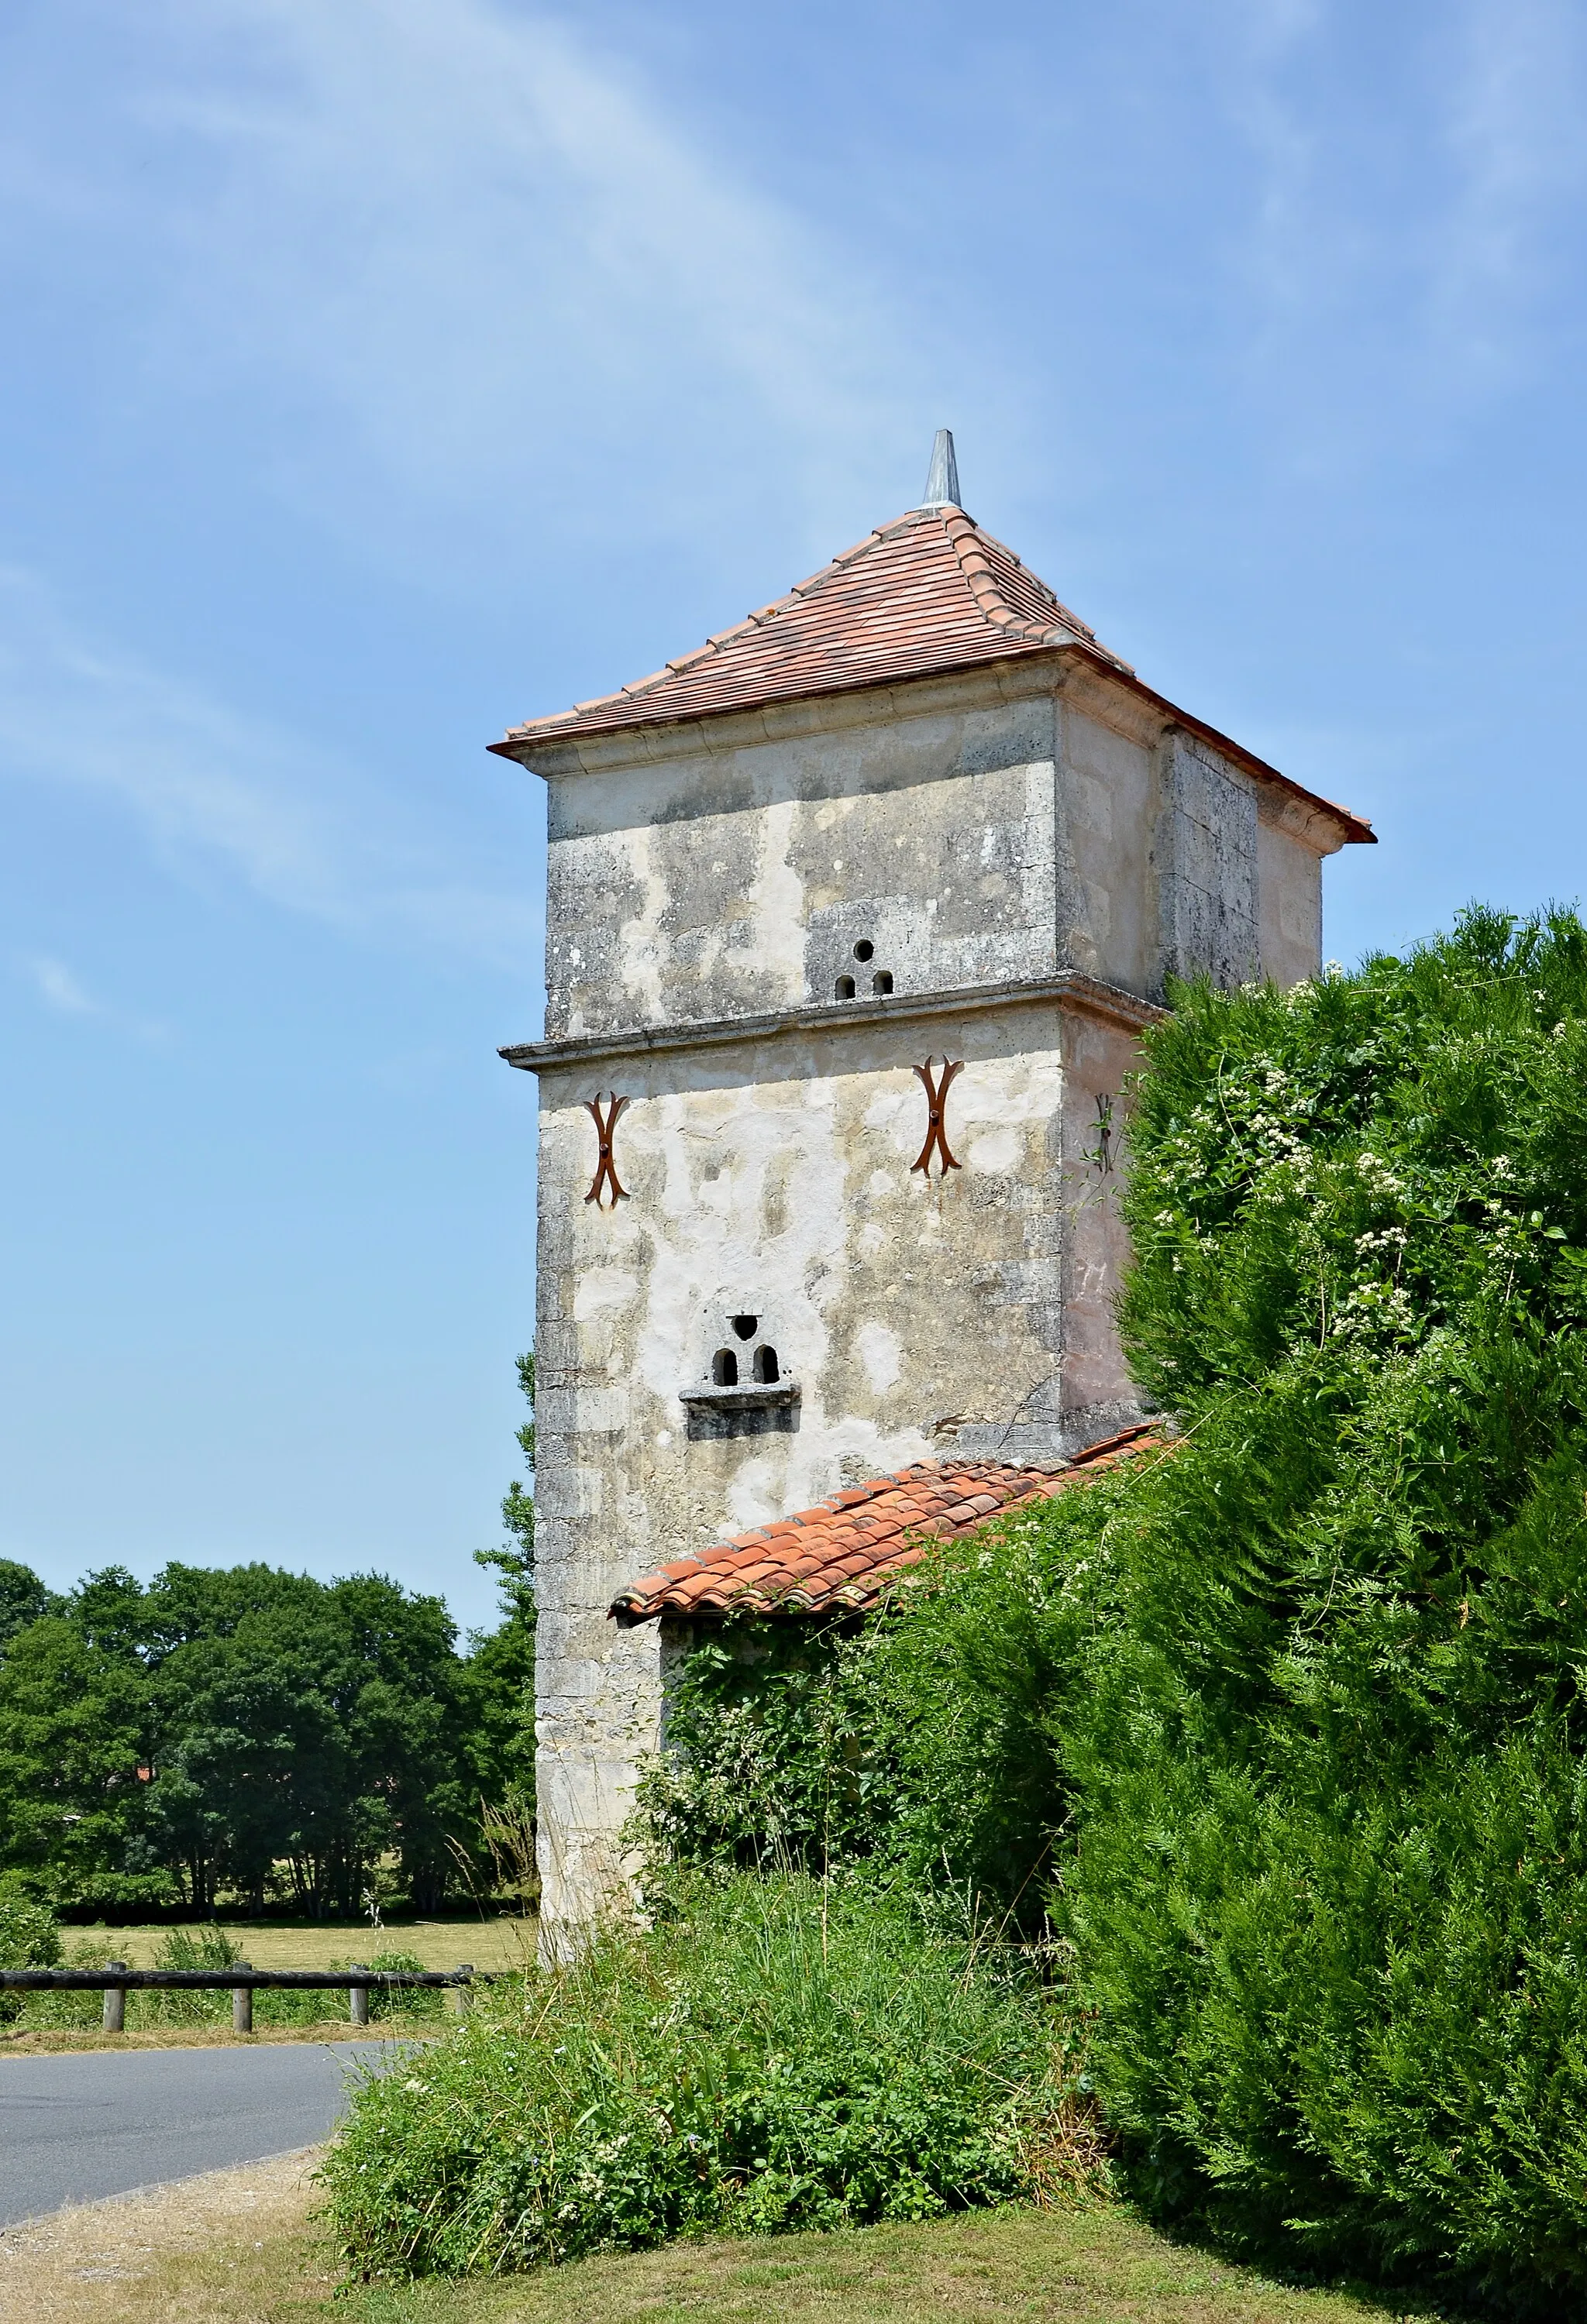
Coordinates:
(735, 875)
(1205, 856)
(1291, 842)
(916, 1316)
(1015, 853)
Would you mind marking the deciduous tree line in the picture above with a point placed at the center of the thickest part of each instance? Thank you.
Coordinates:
(254, 1734)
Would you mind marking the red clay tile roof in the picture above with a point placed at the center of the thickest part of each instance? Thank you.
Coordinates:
(928, 592)
(837, 1558)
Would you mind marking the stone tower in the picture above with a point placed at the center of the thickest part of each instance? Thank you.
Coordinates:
(853, 916)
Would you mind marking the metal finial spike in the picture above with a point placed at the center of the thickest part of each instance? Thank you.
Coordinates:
(941, 485)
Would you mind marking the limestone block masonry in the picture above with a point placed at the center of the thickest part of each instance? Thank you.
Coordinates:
(760, 923)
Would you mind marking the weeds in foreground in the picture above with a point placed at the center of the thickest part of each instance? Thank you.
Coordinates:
(777, 2057)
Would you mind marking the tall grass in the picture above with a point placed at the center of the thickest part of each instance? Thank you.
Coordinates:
(781, 2056)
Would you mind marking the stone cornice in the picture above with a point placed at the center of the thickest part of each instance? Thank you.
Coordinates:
(836, 710)
(1091, 679)
(1068, 990)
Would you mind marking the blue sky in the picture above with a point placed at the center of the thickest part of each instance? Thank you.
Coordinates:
(380, 374)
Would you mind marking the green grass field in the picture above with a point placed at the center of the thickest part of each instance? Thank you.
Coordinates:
(497, 1943)
(1093, 2266)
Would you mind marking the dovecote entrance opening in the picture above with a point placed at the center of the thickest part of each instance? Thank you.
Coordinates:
(742, 1388)
(848, 985)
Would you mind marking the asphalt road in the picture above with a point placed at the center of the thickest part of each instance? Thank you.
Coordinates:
(102, 2122)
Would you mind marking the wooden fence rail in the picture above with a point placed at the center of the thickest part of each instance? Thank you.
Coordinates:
(115, 1980)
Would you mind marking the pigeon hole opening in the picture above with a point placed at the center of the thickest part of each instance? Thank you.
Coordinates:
(765, 1366)
(845, 988)
(725, 1369)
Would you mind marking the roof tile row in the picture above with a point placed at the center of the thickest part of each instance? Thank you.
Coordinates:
(839, 1556)
(929, 591)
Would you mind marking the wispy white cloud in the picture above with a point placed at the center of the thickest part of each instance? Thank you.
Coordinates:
(209, 786)
(62, 990)
(470, 297)
(56, 986)
(499, 272)
(1513, 86)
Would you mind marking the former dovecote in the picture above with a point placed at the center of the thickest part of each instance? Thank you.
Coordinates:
(853, 916)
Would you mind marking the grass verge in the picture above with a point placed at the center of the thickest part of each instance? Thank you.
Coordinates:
(35, 2041)
(1093, 2265)
(230, 2247)
(241, 2248)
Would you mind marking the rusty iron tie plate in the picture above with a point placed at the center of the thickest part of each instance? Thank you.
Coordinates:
(935, 1103)
(605, 1167)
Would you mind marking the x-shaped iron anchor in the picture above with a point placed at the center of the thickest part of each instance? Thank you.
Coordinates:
(605, 1168)
(935, 1098)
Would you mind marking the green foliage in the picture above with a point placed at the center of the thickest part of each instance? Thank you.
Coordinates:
(517, 1505)
(28, 1939)
(502, 1662)
(289, 1731)
(248, 1732)
(499, 1678)
(75, 1725)
(918, 1745)
(1329, 1898)
(773, 1756)
(23, 1599)
(1294, 1718)
(779, 2056)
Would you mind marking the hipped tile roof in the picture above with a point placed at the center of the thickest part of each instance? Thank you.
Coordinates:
(839, 1556)
(928, 592)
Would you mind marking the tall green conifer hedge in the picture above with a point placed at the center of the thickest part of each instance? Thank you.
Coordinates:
(1329, 1900)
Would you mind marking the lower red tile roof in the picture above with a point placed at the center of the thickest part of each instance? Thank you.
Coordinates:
(839, 1557)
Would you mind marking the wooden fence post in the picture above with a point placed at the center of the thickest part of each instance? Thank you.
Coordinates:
(358, 1998)
(241, 2003)
(458, 1994)
(113, 2017)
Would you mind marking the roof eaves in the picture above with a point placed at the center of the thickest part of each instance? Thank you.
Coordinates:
(1358, 831)
(555, 727)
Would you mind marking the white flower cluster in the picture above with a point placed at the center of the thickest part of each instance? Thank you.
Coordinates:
(1374, 1311)
(1382, 1241)
(1379, 1179)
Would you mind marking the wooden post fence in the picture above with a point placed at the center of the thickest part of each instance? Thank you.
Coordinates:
(115, 1980)
(113, 2017)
